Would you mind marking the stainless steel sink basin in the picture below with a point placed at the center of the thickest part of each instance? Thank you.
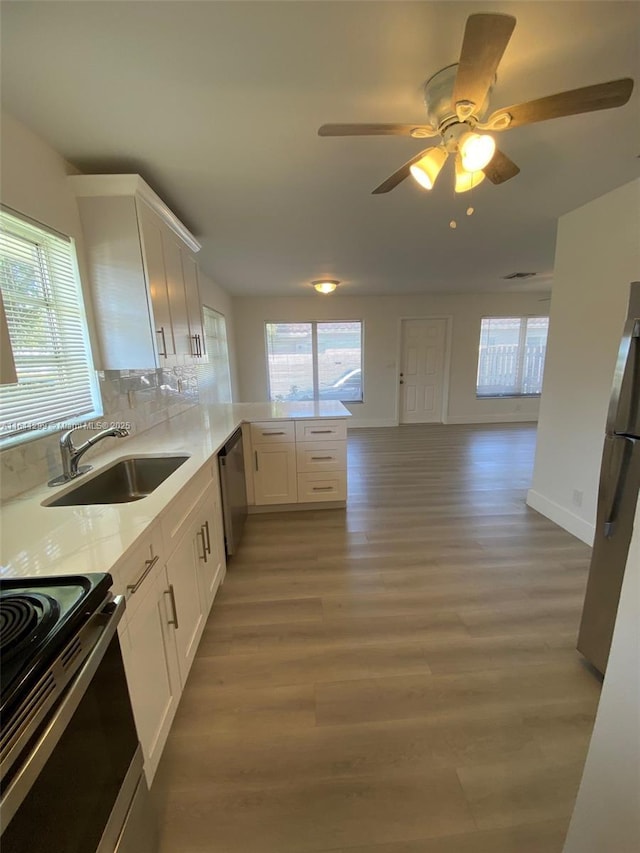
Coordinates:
(124, 481)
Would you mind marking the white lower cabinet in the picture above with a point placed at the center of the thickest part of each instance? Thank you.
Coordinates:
(212, 567)
(151, 664)
(183, 571)
(274, 474)
(297, 462)
(170, 579)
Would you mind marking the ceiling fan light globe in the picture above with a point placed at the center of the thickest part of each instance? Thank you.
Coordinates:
(466, 180)
(476, 151)
(426, 170)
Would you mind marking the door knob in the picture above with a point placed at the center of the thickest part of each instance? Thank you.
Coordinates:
(402, 381)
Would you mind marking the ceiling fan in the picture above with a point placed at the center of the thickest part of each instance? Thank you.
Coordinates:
(457, 98)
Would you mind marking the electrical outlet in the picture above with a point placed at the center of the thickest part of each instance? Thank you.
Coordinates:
(577, 497)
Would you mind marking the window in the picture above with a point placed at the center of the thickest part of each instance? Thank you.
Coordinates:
(214, 380)
(315, 361)
(47, 329)
(511, 357)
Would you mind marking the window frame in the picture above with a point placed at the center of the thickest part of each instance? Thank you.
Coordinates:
(314, 354)
(524, 320)
(50, 243)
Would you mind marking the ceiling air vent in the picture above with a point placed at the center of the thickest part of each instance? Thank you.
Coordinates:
(519, 275)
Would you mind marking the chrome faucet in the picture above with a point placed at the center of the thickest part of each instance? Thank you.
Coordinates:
(71, 454)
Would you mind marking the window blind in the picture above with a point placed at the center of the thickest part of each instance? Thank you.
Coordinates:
(40, 287)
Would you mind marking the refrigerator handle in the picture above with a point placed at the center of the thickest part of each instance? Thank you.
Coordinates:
(612, 516)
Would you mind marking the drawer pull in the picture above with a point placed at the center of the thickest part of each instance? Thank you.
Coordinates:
(322, 431)
(203, 556)
(149, 564)
(322, 489)
(172, 596)
(206, 527)
(321, 458)
(280, 432)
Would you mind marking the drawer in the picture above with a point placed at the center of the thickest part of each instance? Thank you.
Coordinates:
(176, 514)
(272, 432)
(322, 487)
(323, 430)
(321, 456)
(133, 574)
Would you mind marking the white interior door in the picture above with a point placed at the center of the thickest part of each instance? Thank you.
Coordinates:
(422, 370)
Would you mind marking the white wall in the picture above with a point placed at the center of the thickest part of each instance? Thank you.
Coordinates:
(381, 316)
(597, 256)
(607, 811)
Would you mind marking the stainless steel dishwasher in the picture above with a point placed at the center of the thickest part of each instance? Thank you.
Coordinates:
(234, 491)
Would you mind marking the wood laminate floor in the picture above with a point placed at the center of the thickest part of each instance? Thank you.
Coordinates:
(399, 677)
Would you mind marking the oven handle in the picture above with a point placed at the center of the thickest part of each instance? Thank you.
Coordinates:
(25, 778)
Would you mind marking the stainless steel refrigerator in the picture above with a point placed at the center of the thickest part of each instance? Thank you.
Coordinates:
(617, 496)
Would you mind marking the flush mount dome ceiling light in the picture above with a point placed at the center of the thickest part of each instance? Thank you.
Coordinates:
(457, 99)
(325, 285)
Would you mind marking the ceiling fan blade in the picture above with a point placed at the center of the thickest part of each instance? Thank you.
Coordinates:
(486, 37)
(399, 175)
(500, 168)
(588, 99)
(418, 131)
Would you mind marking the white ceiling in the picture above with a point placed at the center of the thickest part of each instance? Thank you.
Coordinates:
(217, 106)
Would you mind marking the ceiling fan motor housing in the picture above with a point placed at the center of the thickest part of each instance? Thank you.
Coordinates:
(438, 99)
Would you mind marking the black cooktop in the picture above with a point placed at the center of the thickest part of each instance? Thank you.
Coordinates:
(38, 617)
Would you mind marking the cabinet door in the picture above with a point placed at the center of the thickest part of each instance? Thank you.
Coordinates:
(194, 305)
(183, 570)
(211, 552)
(151, 666)
(153, 256)
(177, 299)
(274, 474)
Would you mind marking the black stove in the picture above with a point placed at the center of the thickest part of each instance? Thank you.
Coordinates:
(38, 618)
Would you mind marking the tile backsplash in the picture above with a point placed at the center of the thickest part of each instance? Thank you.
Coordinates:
(138, 398)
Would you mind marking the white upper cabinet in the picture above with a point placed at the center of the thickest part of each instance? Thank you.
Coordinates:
(138, 251)
(194, 305)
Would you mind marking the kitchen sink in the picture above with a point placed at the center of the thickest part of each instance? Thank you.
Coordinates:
(124, 481)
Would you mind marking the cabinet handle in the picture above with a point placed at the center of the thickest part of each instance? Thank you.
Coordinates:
(322, 489)
(149, 564)
(200, 348)
(255, 453)
(321, 431)
(281, 432)
(203, 556)
(164, 342)
(206, 527)
(172, 596)
(194, 346)
(321, 458)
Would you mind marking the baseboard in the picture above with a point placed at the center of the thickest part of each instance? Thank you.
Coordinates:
(514, 418)
(301, 507)
(562, 516)
(367, 423)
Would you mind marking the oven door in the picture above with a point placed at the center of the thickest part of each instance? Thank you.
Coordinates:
(79, 787)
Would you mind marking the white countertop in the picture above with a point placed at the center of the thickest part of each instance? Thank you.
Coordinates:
(40, 540)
